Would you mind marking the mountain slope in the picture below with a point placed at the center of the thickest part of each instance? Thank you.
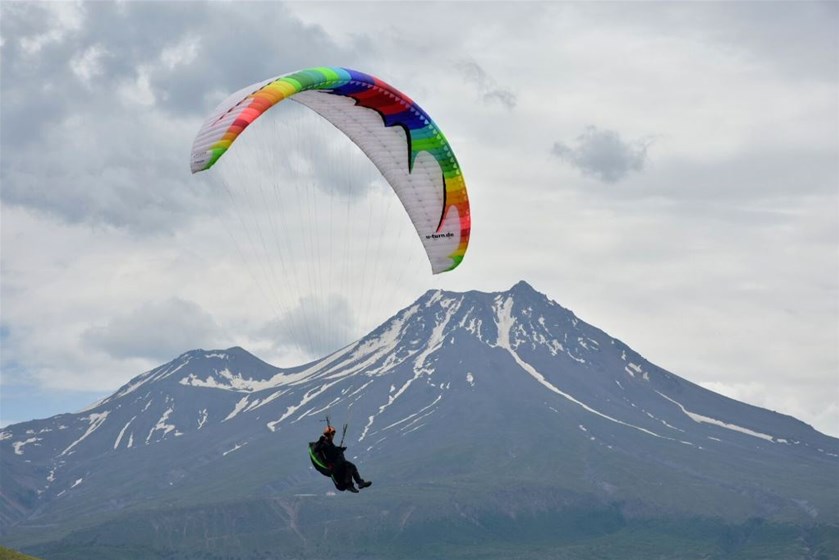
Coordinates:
(474, 411)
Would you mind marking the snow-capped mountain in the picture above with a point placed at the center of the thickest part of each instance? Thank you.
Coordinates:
(461, 406)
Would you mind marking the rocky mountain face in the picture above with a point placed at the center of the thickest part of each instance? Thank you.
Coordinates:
(484, 419)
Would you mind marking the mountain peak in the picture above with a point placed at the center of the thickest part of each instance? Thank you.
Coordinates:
(521, 290)
(522, 287)
(233, 351)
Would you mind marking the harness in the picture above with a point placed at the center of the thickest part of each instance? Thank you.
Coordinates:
(318, 461)
(324, 468)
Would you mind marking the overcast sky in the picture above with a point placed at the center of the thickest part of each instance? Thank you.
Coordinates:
(667, 171)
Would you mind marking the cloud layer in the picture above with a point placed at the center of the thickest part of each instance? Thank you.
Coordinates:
(715, 257)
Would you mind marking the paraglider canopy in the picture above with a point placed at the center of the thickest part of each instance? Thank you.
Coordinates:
(403, 142)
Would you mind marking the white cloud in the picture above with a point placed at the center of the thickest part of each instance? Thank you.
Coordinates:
(138, 89)
(57, 22)
(88, 65)
(181, 54)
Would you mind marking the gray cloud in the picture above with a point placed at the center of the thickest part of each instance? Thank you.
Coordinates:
(105, 91)
(487, 87)
(124, 190)
(316, 326)
(187, 52)
(603, 154)
(156, 331)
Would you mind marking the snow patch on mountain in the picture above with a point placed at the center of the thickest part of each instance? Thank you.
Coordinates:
(229, 381)
(122, 432)
(236, 447)
(95, 421)
(713, 421)
(436, 296)
(19, 445)
(240, 406)
(262, 402)
(437, 338)
(663, 422)
(366, 428)
(162, 426)
(473, 326)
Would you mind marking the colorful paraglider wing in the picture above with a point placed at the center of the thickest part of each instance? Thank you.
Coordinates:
(396, 134)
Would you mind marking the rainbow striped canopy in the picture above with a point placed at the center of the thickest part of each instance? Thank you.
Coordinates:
(399, 137)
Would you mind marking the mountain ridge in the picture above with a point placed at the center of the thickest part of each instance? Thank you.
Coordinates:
(452, 401)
